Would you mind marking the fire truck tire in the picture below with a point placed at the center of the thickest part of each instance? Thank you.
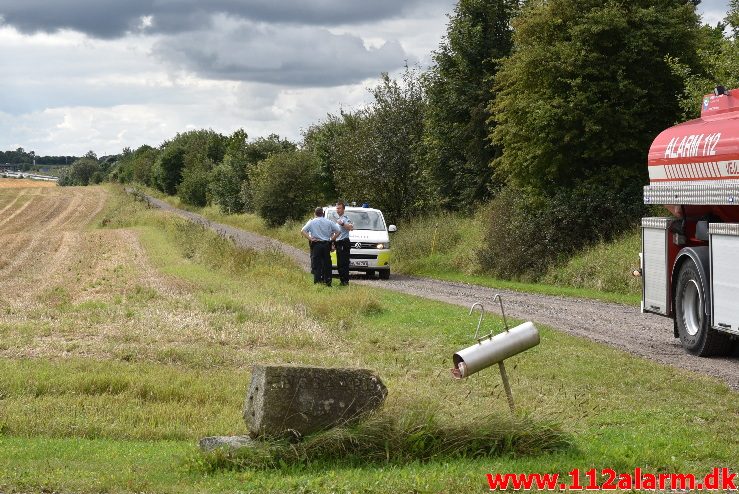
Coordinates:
(693, 325)
(384, 274)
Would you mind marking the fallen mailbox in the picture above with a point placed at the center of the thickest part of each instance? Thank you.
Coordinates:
(494, 349)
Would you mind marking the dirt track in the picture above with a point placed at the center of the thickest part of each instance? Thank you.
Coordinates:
(620, 326)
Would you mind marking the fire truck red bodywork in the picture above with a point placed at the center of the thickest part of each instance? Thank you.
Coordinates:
(694, 173)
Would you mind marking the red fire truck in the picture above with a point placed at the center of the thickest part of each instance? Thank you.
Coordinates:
(690, 260)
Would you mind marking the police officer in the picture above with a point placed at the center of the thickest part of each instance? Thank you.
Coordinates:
(343, 246)
(313, 269)
(321, 232)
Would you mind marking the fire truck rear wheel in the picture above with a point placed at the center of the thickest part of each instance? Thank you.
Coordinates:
(693, 325)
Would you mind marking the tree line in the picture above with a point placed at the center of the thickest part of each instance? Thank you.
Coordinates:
(540, 111)
(22, 157)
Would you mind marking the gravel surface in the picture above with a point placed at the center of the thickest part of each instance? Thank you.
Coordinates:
(617, 325)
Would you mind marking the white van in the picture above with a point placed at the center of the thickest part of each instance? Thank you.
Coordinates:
(370, 240)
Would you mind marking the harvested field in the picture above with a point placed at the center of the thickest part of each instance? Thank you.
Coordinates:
(70, 290)
(15, 183)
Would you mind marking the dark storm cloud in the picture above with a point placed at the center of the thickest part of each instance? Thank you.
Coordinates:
(285, 55)
(113, 18)
(101, 19)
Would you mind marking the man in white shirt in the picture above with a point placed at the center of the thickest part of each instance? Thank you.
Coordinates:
(343, 245)
(321, 231)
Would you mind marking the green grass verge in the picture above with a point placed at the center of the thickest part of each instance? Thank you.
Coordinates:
(445, 247)
(605, 267)
(129, 421)
(541, 288)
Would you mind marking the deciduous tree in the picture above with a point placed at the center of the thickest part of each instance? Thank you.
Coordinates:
(379, 152)
(588, 87)
(285, 186)
(459, 89)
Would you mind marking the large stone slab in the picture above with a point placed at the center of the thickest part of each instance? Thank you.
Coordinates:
(295, 401)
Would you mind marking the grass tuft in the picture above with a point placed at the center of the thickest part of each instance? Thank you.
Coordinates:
(389, 438)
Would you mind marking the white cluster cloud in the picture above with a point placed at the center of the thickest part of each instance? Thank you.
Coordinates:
(78, 75)
(713, 11)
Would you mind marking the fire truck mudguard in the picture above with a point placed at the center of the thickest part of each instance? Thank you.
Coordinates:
(699, 256)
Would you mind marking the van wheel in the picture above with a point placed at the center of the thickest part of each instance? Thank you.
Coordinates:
(384, 274)
(696, 334)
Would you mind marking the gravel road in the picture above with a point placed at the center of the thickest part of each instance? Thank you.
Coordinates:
(617, 325)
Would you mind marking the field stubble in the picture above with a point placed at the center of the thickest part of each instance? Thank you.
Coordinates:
(80, 292)
(16, 183)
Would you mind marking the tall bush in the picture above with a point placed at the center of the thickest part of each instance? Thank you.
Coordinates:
(84, 171)
(529, 231)
(193, 189)
(378, 153)
(167, 170)
(195, 148)
(285, 186)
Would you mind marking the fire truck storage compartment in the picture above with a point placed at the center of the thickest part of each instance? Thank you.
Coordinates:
(724, 244)
(655, 235)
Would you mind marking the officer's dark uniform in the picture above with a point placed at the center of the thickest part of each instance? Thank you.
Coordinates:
(343, 248)
(313, 269)
(321, 230)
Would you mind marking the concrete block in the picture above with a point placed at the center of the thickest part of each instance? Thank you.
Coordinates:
(285, 401)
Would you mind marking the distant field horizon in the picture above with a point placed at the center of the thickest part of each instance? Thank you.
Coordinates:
(13, 183)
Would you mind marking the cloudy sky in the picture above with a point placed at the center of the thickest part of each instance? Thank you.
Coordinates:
(79, 75)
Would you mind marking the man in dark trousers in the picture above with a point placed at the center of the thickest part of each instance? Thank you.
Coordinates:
(313, 269)
(321, 232)
(343, 245)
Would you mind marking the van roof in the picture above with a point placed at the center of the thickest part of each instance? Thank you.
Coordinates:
(352, 208)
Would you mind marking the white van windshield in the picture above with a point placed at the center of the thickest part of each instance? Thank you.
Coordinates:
(362, 220)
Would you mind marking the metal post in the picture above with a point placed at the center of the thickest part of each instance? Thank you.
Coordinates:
(433, 242)
(506, 385)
